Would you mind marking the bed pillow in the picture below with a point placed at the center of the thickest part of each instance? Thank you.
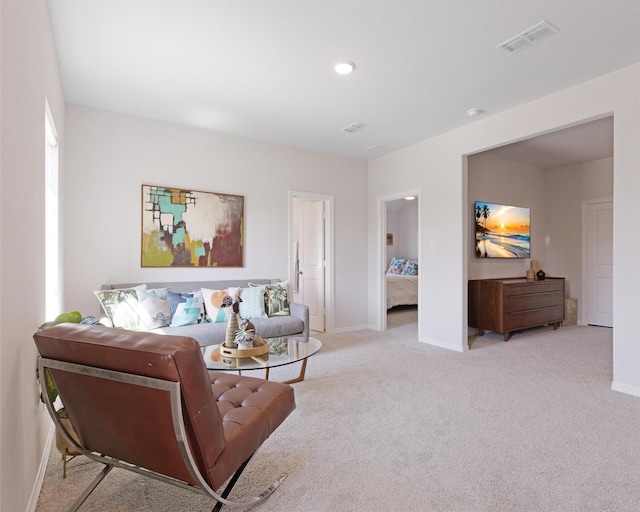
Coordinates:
(154, 308)
(396, 266)
(411, 268)
(121, 306)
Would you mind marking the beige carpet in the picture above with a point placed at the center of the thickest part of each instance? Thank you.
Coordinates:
(386, 423)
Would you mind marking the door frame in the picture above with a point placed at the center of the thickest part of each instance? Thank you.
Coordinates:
(585, 274)
(382, 254)
(329, 230)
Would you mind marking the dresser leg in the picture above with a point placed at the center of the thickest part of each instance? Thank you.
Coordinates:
(480, 332)
(507, 335)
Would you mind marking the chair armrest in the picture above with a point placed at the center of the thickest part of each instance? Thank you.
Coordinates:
(301, 311)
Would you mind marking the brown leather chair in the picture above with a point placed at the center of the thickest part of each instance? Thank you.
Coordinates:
(146, 403)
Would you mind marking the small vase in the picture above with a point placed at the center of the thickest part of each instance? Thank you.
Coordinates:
(245, 345)
(540, 275)
(232, 328)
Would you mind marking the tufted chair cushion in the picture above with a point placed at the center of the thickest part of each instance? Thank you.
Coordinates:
(250, 409)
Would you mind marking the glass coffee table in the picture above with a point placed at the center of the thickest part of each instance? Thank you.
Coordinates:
(282, 351)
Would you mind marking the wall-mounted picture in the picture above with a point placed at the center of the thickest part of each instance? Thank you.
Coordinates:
(502, 231)
(190, 228)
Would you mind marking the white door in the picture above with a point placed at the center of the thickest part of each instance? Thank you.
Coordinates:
(599, 294)
(311, 277)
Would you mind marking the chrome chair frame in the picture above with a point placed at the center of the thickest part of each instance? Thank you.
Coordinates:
(175, 399)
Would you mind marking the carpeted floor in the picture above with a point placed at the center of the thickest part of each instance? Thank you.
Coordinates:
(386, 423)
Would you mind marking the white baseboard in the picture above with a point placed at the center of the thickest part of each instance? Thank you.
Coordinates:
(625, 388)
(444, 344)
(352, 328)
(37, 485)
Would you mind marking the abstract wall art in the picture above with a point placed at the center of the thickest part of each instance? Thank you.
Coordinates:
(190, 228)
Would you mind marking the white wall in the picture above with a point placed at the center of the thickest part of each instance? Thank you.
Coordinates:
(501, 181)
(437, 166)
(402, 223)
(566, 189)
(110, 155)
(28, 74)
(407, 230)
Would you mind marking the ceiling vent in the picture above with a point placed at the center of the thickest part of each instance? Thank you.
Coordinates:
(377, 150)
(528, 37)
(355, 127)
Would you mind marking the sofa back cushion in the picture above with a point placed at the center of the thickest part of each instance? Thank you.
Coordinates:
(188, 286)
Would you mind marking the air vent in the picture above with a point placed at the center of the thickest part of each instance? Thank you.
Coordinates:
(528, 37)
(355, 127)
(377, 150)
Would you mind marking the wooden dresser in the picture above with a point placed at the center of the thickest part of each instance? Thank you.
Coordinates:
(511, 304)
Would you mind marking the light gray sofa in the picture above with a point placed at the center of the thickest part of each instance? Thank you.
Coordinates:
(296, 324)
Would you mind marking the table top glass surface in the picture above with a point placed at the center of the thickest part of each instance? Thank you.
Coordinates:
(283, 350)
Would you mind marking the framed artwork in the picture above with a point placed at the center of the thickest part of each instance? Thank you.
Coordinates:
(389, 238)
(502, 231)
(190, 228)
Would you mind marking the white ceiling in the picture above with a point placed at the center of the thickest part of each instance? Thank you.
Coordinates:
(581, 143)
(263, 69)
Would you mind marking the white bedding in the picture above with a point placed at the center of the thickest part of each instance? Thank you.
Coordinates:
(401, 290)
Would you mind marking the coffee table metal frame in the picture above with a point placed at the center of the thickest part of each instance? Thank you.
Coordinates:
(282, 351)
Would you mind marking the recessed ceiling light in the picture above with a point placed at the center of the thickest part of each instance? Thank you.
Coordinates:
(344, 67)
(472, 112)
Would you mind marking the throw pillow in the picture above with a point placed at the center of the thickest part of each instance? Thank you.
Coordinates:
(252, 305)
(411, 268)
(213, 303)
(186, 308)
(154, 308)
(121, 306)
(396, 265)
(276, 301)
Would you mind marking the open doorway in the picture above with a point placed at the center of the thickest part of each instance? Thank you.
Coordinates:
(558, 175)
(311, 256)
(400, 260)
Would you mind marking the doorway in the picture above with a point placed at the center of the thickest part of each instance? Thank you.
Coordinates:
(575, 166)
(399, 238)
(311, 255)
(597, 271)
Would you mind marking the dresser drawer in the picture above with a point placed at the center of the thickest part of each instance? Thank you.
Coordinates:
(532, 301)
(533, 287)
(533, 317)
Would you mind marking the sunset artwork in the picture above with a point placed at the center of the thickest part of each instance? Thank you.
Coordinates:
(502, 231)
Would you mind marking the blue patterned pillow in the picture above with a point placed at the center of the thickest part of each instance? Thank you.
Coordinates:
(411, 268)
(252, 305)
(186, 308)
(396, 265)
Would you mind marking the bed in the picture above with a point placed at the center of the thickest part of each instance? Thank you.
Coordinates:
(401, 290)
(402, 283)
